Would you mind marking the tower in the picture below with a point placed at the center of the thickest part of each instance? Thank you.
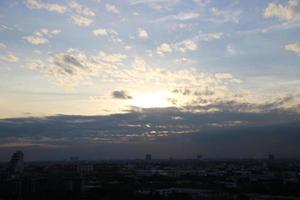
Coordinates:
(16, 166)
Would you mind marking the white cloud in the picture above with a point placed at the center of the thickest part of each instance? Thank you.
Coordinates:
(81, 21)
(164, 48)
(142, 33)
(210, 36)
(80, 9)
(41, 36)
(295, 47)
(111, 8)
(231, 50)
(37, 4)
(100, 32)
(112, 57)
(223, 76)
(112, 34)
(2, 46)
(34, 64)
(10, 57)
(183, 16)
(36, 40)
(289, 12)
(158, 5)
(223, 16)
(186, 45)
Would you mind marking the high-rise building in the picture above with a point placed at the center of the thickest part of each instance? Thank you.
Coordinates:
(16, 166)
(148, 157)
(271, 157)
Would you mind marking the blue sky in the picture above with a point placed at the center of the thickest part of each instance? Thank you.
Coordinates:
(247, 41)
(101, 57)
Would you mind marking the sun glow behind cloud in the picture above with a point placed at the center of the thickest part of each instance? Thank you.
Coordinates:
(159, 99)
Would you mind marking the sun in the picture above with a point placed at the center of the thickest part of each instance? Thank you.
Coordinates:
(152, 100)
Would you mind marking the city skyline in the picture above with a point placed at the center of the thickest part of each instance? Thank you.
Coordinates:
(220, 78)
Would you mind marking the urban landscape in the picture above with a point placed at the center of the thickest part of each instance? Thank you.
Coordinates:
(149, 99)
(150, 179)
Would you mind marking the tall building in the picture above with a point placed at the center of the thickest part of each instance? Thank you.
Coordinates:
(148, 157)
(16, 166)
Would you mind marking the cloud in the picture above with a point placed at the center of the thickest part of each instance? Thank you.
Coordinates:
(37, 4)
(100, 32)
(112, 57)
(186, 45)
(289, 12)
(209, 36)
(164, 48)
(35, 64)
(183, 16)
(41, 36)
(231, 50)
(142, 33)
(224, 16)
(80, 9)
(295, 47)
(81, 21)
(2, 46)
(111, 8)
(158, 5)
(72, 67)
(112, 34)
(10, 57)
(121, 94)
(36, 40)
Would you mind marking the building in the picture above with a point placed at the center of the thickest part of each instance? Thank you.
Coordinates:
(16, 166)
(148, 157)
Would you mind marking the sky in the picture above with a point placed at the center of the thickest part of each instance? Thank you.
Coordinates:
(137, 76)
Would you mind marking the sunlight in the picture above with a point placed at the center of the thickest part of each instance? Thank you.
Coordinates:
(152, 100)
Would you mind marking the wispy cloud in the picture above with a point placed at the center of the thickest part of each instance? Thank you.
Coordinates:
(111, 8)
(10, 57)
(52, 7)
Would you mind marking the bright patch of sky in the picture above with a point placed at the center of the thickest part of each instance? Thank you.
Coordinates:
(74, 56)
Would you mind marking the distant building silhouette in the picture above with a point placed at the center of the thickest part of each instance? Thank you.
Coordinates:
(199, 157)
(16, 166)
(148, 157)
(271, 157)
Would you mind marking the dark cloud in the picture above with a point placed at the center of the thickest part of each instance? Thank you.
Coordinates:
(163, 131)
(121, 94)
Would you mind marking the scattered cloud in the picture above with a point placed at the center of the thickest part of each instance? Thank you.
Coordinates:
(10, 57)
(121, 94)
(100, 32)
(142, 33)
(41, 36)
(231, 50)
(183, 16)
(80, 9)
(34, 64)
(37, 4)
(186, 45)
(111, 8)
(112, 57)
(81, 21)
(209, 36)
(289, 12)
(2, 46)
(112, 34)
(164, 48)
(224, 16)
(294, 47)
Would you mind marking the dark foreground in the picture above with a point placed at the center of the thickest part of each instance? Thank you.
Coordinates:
(153, 180)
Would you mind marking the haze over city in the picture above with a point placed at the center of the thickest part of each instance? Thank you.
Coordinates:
(112, 79)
